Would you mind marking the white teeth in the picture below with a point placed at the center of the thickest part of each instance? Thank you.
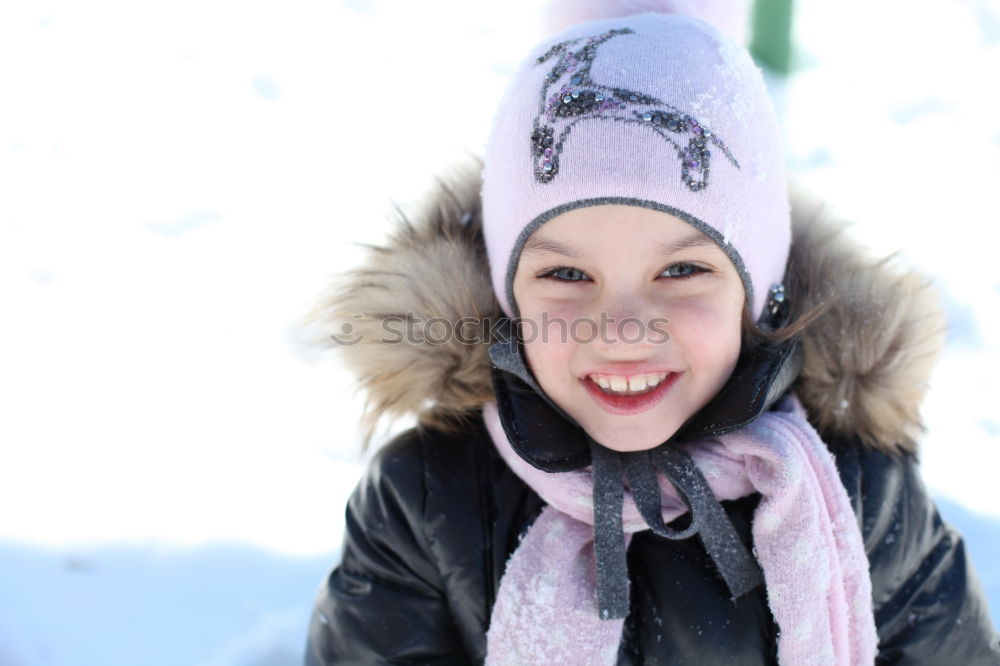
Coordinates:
(637, 383)
(633, 384)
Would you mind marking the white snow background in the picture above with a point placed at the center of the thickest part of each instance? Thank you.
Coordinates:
(178, 181)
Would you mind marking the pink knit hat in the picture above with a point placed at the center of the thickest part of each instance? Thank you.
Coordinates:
(655, 110)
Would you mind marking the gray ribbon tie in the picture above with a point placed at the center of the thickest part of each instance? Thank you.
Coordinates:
(609, 536)
(708, 519)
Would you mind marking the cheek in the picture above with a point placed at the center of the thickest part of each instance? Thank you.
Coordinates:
(552, 326)
(548, 361)
(546, 342)
(709, 330)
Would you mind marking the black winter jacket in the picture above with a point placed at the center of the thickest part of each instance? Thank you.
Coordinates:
(431, 525)
(433, 521)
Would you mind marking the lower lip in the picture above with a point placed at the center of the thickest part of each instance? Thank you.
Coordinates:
(630, 404)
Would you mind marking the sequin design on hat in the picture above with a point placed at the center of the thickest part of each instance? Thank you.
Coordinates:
(570, 96)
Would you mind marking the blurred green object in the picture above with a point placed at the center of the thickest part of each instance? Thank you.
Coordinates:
(771, 29)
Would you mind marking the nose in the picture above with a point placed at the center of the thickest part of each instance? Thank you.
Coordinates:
(630, 324)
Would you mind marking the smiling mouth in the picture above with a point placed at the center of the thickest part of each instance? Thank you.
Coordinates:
(628, 385)
(629, 401)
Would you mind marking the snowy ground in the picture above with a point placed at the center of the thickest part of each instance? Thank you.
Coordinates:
(180, 179)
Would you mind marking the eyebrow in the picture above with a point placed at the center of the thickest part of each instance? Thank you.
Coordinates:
(697, 239)
(540, 244)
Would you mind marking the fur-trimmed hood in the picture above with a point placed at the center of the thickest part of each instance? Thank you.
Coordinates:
(866, 359)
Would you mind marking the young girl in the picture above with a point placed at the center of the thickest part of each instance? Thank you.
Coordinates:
(667, 413)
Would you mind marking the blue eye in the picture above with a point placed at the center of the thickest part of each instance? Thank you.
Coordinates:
(683, 270)
(679, 271)
(565, 274)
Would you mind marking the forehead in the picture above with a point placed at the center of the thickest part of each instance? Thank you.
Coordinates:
(579, 232)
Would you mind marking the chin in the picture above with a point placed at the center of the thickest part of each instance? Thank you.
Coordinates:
(631, 447)
(618, 439)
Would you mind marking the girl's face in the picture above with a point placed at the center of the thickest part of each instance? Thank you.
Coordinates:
(625, 296)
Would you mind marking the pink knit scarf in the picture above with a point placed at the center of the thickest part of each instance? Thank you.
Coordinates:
(806, 537)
